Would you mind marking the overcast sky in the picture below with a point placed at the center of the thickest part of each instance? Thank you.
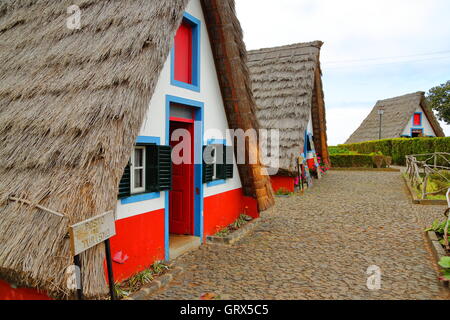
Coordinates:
(374, 49)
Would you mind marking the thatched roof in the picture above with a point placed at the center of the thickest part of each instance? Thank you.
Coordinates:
(72, 103)
(397, 113)
(287, 86)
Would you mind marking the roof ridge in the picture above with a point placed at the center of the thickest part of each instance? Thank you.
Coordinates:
(314, 44)
(417, 93)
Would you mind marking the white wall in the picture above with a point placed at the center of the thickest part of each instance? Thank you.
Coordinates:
(215, 121)
(427, 128)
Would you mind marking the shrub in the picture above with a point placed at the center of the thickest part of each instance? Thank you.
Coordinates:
(351, 160)
(401, 147)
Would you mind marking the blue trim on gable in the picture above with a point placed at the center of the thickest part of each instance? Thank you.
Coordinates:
(148, 139)
(217, 141)
(421, 119)
(198, 163)
(166, 226)
(140, 197)
(196, 36)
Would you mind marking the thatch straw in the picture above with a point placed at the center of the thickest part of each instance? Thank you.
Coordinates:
(286, 82)
(230, 57)
(397, 113)
(71, 105)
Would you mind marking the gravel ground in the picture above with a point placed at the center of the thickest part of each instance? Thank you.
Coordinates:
(319, 246)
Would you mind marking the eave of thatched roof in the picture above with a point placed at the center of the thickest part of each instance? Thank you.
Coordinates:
(287, 87)
(397, 113)
(71, 105)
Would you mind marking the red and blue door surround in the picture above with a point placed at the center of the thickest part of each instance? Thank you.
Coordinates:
(198, 117)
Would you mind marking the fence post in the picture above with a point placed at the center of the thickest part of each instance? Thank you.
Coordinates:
(424, 190)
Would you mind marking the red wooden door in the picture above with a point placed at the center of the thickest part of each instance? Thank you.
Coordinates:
(181, 197)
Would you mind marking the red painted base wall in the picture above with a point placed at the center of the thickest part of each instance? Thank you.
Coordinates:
(222, 209)
(140, 237)
(279, 182)
(9, 293)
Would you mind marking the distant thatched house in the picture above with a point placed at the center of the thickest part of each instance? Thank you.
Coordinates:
(287, 86)
(75, 104)
(404, 116)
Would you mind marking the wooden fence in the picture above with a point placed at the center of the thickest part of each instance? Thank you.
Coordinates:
(419, 167)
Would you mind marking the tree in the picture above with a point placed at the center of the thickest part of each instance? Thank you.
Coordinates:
(439, 100)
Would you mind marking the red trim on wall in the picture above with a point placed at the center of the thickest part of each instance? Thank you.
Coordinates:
(282, 182)
(183, 54)
(181, 120)
(223, 209)
(141, 238)
(9, 293)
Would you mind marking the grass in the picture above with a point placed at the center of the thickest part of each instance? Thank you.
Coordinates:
(437, 185)
(282, 192)
(137, 281)
(242, 220)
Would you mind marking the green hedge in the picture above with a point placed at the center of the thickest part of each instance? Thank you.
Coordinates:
(401, 147)
(351, 160)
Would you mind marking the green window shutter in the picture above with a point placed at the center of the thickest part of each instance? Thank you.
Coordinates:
(228, 162)
(125, 183)
(220, 165)
(151, 173)
(159, 168)
(208, 166)
(164, 168)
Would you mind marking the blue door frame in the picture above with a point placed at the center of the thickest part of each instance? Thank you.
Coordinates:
(198, 166)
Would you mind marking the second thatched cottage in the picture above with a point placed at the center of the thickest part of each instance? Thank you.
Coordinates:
(76, 103)
(406, 116)
(287, 86)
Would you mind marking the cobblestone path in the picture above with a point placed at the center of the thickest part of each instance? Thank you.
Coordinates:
(319, 246)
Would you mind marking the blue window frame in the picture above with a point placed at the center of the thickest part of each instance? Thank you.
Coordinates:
(149, 195)
(216, 182)
(195, 86)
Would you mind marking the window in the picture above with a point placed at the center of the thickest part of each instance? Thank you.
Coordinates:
(416, 133)
(149, 170)
(217, 163)
(185, 58)
(138, 170)
(417, 119)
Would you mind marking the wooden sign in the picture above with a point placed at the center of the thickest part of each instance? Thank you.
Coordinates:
(86, 234)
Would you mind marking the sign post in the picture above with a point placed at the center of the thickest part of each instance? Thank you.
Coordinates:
(89, 233)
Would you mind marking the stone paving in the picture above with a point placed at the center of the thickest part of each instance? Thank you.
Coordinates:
(319, 246)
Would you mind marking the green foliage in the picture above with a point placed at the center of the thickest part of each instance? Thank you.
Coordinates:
(282, 192)
(240, 221)
(444, 262)
(158, 267)
(401, 147)
(120, 292)
(140, 279)
(337, 150)
(438, 227)
(351, 161)
(439, 100)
